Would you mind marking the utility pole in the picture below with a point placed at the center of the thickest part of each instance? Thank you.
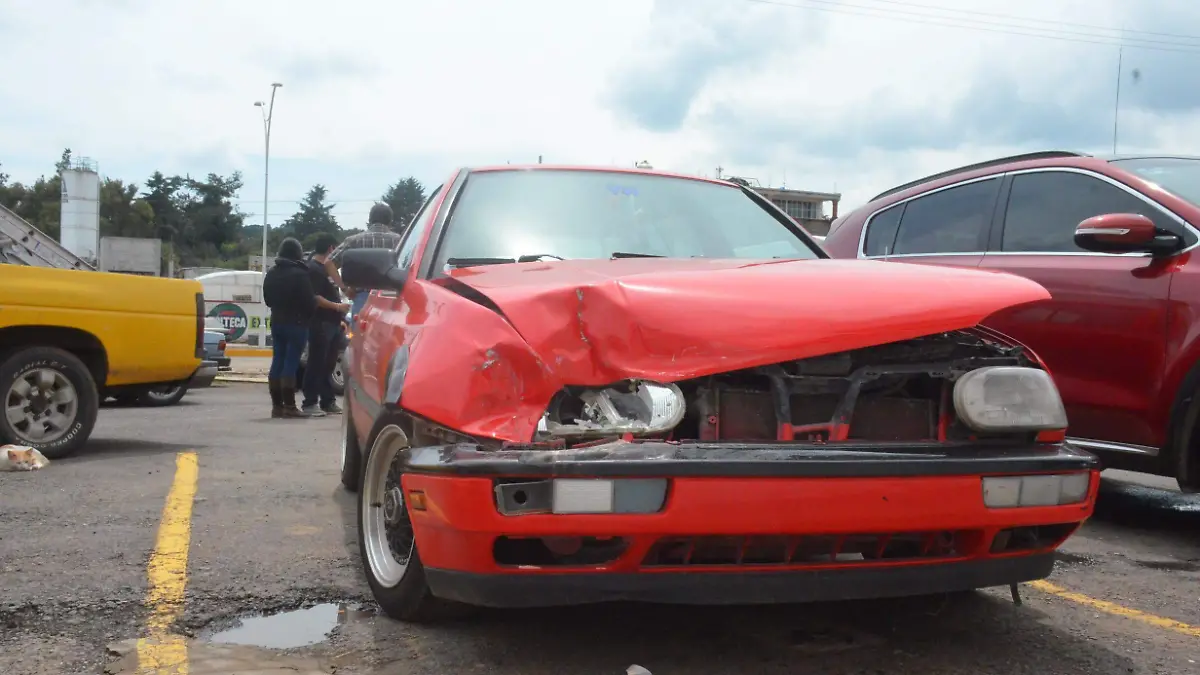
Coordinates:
(1117, 102)
(268, 110)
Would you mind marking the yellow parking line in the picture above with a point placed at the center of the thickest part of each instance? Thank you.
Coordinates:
(1117, 610)
(160, 651)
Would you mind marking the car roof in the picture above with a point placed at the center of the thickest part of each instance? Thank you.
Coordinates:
(601, 169)
(983, 168)
(1029, 160)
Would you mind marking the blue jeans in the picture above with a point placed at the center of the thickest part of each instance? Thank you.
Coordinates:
(288, 341)
(360, 299)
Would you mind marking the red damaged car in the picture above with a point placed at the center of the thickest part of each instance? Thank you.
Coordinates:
(577, 385)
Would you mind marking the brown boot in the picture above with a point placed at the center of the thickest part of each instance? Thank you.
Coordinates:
(276, 398)
(287, 390)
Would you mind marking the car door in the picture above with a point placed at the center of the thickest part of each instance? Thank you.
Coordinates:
(384, 312)
(947, 226)
(1103, 334)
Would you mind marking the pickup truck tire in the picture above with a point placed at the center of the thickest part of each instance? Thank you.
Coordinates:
(156, 397)
(47, 386)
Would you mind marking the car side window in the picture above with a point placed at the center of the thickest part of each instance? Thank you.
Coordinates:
(881, 231)
(1045, 207)
(416, 232)
(954, 220)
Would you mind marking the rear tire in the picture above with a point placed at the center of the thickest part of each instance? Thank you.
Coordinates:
(157, 397)
(337, 379)
(384, 527)
(49, 389)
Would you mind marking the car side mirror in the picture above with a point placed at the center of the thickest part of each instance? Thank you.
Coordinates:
(372, 269)
(1123, 233)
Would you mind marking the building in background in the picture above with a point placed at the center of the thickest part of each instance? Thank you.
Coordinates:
(131, 255)
(804, 206)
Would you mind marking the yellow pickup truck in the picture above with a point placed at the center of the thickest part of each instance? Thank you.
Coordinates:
(70, 338)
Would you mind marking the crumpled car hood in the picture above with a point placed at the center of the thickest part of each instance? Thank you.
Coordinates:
(601, 321)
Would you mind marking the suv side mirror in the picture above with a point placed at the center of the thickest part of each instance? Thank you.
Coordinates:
(372, 269)
(1123, 233)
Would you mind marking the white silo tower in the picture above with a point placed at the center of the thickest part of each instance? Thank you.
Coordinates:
(80, 216)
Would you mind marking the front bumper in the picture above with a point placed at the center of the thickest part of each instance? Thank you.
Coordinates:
(204, 375)
(844, 506)
(738, 588)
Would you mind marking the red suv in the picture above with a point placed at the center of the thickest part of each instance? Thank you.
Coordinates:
(1112, 239)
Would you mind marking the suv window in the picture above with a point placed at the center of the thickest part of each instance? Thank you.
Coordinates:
(953, 220)
(881, 231)
(1044, 208)
(416, 231)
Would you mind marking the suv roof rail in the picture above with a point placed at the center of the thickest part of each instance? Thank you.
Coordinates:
(1046, 154)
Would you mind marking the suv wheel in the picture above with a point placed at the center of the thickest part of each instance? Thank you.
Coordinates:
(49, 401)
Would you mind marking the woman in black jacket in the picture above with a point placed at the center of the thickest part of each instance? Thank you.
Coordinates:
(288, 291)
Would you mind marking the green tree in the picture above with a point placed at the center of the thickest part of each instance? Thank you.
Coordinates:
(405, 197)
(314, 216)
(122, 213)
(63, 162)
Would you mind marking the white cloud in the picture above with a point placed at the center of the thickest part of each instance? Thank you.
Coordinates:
(374, 90)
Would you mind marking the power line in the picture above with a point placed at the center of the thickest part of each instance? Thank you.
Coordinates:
(1015, 17)
(984, 26)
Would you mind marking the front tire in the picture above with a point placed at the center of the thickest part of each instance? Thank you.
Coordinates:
(351, 453)
(48, 401)
(386, 541)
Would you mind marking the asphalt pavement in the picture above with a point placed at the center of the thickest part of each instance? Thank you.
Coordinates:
(181, 527)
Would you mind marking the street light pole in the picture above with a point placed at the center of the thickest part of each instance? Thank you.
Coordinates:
(268, 110)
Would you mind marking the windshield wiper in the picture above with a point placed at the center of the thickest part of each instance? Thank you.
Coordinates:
(620, 254)
(471, 262)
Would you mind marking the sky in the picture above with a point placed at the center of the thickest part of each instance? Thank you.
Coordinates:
(849, 96)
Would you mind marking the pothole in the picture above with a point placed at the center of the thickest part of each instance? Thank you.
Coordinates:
(288, 629)
(1169, 565)
(1074, 559)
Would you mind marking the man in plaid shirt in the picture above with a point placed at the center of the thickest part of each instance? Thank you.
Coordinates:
(379, 234)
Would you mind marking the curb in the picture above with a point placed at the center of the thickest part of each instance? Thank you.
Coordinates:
(241, 378)
(252, 352)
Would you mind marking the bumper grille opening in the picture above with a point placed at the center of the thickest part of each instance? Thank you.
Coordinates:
(892, 392)
(1031, 538)
(811, 549)
(557, 551)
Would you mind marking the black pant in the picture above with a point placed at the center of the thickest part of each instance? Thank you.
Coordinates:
(322, 356)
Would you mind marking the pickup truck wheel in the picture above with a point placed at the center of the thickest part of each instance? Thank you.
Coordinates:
(50, 401)
(385, 537)
(351, 453)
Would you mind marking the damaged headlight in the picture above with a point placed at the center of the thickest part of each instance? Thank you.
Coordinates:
(635, 407)
(1009, 398)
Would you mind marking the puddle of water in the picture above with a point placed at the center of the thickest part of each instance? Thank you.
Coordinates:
(287, 630)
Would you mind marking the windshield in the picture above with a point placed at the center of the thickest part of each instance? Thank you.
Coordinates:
(1176, 175)
(565, 214)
